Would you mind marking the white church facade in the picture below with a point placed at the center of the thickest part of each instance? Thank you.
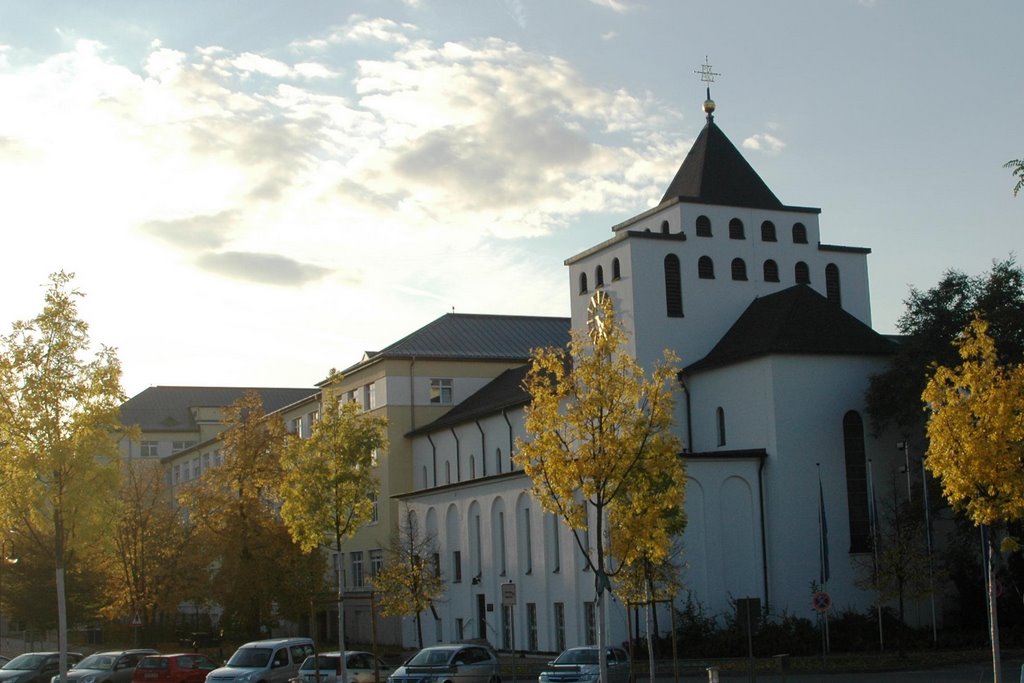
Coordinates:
(772, 327)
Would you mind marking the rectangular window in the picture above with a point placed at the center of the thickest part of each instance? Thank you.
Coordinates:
(459, 629)
(150, 449)
(376, 561)
(195, 468)
(373, 396)
(296, 427)
(206, 461)
(531, 626)
(436, 560)
(375, 510)
(456, 566)
(556, 547)
(590, 619)
(506, 627)
(529, 540)
(501, 544)
(178, 446)
(559, 626)
(357, 569)
(217, 460)
(441, 391)
(177, 474)
(477, 550)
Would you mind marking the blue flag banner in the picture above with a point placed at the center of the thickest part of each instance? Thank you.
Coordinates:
(823, 529)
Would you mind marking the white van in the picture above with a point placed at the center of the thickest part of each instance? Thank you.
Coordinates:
(264, 661)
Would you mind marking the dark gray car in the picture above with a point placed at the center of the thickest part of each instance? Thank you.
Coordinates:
(34, 667)
(450, 664)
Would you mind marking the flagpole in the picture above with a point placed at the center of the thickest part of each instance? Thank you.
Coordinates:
(873, 516)
(823, 551)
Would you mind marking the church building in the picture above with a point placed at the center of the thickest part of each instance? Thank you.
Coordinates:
(773, 329)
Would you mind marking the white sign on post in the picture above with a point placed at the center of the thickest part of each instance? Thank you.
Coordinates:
(508, 594)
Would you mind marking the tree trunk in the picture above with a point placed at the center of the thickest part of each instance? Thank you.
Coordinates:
(62, 612)
(993, 612)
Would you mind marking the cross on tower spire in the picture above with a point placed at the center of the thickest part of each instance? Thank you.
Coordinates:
(708, 76)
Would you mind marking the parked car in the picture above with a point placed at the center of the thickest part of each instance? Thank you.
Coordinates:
(117, 666)
(580, 665)
(264, 661)
(359, 666)
(34, 667)
(4, 660)
(185, 667)
(450, 664)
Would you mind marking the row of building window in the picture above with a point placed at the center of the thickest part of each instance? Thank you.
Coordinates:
(499, 465)
(354, 572)
(599, 276)
(737, 231)
(770, 271)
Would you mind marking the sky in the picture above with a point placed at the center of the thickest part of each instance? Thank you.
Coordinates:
(253, 193)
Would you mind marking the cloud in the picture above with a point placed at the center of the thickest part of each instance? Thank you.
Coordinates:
(269, 269)
(764, 142)
(195, 233)
(619, 6)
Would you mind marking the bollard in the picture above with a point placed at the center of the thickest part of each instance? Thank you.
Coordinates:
(712, 674)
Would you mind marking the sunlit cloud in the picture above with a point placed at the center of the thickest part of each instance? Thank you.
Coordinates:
(764, 142)
(620, 6)
(269, 269)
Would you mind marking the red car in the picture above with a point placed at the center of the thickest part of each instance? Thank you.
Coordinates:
(179, 668)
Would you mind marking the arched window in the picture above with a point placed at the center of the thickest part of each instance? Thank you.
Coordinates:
(703, 226)
(799, 233)
(583, 283)
(832, 290)
(598, 276)
(705, 268)
(856, 483)
(768, 231)
(664, 227)
(802, 273)
(673, 287)
(736, 229)
(616, 273)
(739, 269)
(771, 271)
(720, 422)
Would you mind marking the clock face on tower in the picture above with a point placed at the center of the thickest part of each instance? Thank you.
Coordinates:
(597, 315)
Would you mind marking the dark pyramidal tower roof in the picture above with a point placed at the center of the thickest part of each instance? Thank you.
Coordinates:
(714, 172)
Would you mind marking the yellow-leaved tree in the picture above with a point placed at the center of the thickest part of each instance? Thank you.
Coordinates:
(59, 427)
(329, 481)
(601, 453)
(976, 440)
(410, 579)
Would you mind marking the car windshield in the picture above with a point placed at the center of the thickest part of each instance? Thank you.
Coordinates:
(580, 656)
(251, 657)
(328, 662)
(98, 662)
(26, 662)
(430, 657)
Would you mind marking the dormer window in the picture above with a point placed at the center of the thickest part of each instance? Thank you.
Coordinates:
(616, 273)
(736, 229)
(583, 283)
(598, 276)
(799, 233)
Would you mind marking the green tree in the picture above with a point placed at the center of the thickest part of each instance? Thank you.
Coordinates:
(329, 481)
(235, 509)
(976, 439)
(931, 322)
(1017, 165)
(410, 579)
(59, 429)
(601, 453)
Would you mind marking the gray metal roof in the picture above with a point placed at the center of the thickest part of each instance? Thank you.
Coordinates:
(167, 409)
(466, 336)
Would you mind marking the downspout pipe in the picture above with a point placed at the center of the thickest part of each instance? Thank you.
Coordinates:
(412, 400)
(511, 441)
(483, 448)
(764, 535)
(681, 377)
(458, 456)
(433, 458)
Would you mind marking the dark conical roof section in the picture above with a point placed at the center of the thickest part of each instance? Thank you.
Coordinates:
(796, 320)
(714, 172)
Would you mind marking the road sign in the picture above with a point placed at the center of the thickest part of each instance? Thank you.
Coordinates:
(821, 601)
(508, 594)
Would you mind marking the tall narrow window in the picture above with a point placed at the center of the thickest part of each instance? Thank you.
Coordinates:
(447, 472)
(590, 619)
(616, 270)
(456, 566)
(720, 422)
(771, 271)
(832, 290)
(502, 564)
(527, 535)
(799, 233)
(479, 550)
(583, 283)
(598, 276)
(736, 229)
(497, 461)
(703, 226)
(705, 268)
(856, 483)
(768, 231)
(559, 609)
(673, 287)
(472, 466)
(556, 548)
(531, 626)
(739, 269)
(801, 273)
(357, 568)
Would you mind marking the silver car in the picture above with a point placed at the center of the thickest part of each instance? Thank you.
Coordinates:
(359, 665)
(580, 665)
(450, 664)
(106, 667)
